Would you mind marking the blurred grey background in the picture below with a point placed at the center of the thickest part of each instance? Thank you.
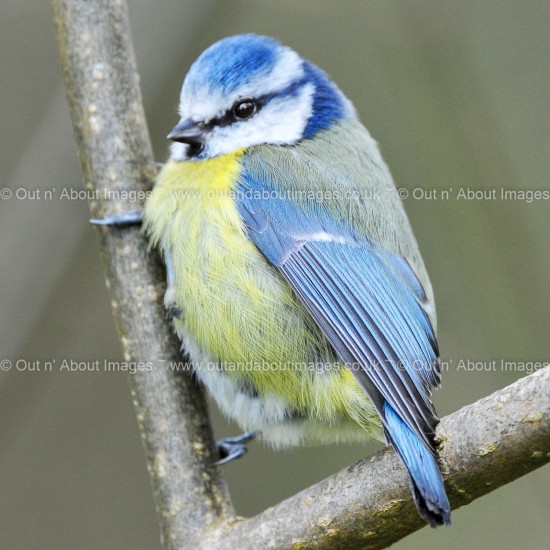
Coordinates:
(458, 96)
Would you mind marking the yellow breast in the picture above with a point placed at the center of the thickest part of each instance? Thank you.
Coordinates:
(235, 304)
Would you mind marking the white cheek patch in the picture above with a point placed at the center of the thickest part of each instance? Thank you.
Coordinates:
(282, 121)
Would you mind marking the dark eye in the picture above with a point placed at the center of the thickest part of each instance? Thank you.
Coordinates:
(244, 109)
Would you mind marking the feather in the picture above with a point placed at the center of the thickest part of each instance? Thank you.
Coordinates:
(359, 287)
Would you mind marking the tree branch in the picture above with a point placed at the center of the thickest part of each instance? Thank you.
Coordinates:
(367, 505)
(102, 89)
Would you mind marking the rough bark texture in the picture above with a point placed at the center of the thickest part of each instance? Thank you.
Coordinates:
(367, 505)
(102, 89)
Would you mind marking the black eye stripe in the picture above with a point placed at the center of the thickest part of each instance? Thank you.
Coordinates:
(229, 117)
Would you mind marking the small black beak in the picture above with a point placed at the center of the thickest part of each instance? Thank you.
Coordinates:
(187, 131)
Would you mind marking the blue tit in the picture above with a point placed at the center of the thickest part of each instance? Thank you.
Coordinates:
(301, 294)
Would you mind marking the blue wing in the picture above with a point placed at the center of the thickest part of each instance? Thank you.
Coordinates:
(368, 303)
(366, 300)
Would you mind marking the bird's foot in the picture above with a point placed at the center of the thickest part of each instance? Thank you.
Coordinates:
(231, 448)
(132, 217)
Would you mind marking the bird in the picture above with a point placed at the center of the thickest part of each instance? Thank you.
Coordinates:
(293, 275)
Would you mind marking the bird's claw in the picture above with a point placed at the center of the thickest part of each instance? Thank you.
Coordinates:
(231, 448)
(132, 217)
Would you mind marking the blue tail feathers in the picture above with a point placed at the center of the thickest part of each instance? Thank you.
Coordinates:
(427, 484)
